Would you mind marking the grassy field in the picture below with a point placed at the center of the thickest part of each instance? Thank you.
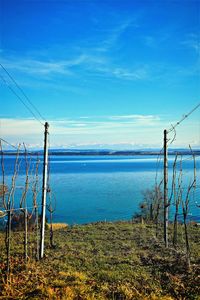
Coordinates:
(103, 261)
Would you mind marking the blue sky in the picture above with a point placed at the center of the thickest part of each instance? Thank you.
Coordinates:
(103, 73)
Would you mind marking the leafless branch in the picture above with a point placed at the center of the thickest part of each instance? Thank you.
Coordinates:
(173, 189)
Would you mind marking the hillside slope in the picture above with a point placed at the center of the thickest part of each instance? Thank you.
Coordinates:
(104, 261)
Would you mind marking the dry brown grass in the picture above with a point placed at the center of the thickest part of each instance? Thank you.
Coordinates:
(101, 261)
(57, 226)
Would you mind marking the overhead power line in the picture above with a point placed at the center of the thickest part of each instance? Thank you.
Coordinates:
(183, 118)
(21, 100)
(9, 144)
(24, 94)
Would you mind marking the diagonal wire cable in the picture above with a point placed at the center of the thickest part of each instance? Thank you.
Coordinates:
(13, 91)
(183, 118)
(21, 90)
(9, 144)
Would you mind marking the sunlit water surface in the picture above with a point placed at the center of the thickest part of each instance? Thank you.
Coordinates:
(98, 188)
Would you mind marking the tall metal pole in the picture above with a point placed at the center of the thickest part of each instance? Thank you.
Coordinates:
(44, 190)
(166, 204)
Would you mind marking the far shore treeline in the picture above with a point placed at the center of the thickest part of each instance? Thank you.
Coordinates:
(106, 152)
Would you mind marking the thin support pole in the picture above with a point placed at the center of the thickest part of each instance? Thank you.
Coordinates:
(8, 239)
(25, 234)
(166, 204)
(37, 233)
(44, 190)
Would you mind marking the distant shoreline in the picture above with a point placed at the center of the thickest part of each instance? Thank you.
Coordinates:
(105, 152)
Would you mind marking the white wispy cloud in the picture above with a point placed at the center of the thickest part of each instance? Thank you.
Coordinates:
(19, 126)
(86, 63)
(192, 41)
(24, 127)
(106, 122)
(134, 74)
(132, 129)
(160, 38)
(96, 59)
(136, 117)
(38, 67)
(116, 33)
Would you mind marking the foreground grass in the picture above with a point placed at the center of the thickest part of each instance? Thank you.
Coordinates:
(104, 261)
(57, 226)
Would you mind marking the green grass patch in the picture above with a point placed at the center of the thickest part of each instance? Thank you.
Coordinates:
(103, 260)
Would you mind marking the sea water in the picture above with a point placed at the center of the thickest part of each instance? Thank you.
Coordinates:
(98, 188)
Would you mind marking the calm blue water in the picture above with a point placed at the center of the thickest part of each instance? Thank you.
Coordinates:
(97, 188)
